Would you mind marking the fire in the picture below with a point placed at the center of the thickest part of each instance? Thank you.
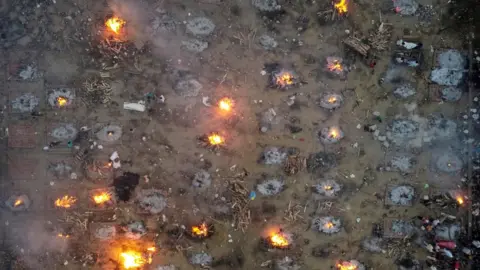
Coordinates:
(335, 66)
(61, 235)
(346, 266)
(278, 240)
(460, 200)
(65, 202)
(332, 99)
(225, 104)
(216, 139)
(201, 231)
(328, 187)
(102, 198)
(329, 225)
(115, 24)
(18, 202)
(132, 259)
(333, 133)
(61, 101)
(341, 6)
(284, 79)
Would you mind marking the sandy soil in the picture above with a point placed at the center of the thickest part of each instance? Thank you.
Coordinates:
(161, 143)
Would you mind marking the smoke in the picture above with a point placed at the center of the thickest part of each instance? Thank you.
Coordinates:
(31, 240)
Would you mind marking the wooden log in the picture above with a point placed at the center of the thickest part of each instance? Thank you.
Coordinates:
(357, 45)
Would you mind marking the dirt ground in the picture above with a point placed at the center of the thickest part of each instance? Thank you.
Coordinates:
(161, 144)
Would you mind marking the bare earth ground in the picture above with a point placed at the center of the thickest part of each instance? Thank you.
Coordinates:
(161, 143)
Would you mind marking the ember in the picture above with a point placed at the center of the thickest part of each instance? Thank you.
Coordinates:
(335, 66)
(200, 231)
(61, 101)
(18, 202)
(331, 135)
(341, 6)
(460, 200)
(346, 266)
(115, 24)
(329, 225)
(284, 79)
(102, 198)
(61, 235)
(279, 240)
(215, 139)
(65, 202)
(132, 259)
(225, 104)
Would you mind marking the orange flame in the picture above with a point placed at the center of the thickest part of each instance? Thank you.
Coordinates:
(201, 231)
(332, 99)
(460, 200)
(225, 104)
(65, 202)
(115, 24)
(333, 133)
(215, 139)
(328, 187)
(341, 6)
(132, 259)
(61, 235)
(102, 198)
(284, 79)
(329, 225)
(278, 240)
(61, 101)
(335, 66)
(18, 202)
(346, 266)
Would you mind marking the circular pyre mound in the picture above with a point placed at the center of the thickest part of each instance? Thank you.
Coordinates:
(109, 133)
(273, 155)
(402, 195)
(401, 131)
(271, 186)
(284, 79)
(330, 135)
(320, 162)
(330, 101)
(328, 224)
(350, 265)
(200, 231)
(151, 201)
(18, 203)
(448, 162)
(201, 180)
(328, 188)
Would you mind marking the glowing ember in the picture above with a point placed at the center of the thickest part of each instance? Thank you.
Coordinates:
(332, 99)
(279, 240)
(460, 200)
(225, 104)
(132, 259)
(200, 231)
(216, 139)
(102, 198)
(61, 101)
(284, 79)
(333, 133)
(61, 235)
(17, 203)
(346, 266)
(328, 187)
(329, 225)
(65, 202)
(115, 24)
(335, 66)
(341, 6)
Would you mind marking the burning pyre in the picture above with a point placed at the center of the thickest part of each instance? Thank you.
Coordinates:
(335, 66)
(330, 101)
(115, 25)
(278, 239)
(349, 265)
(61, 97)
(284, 79)
(328, 225)
(66, 201)
(133, 259)
(341, 6)
(17, 203)
(212, 140)
(331, 135)
(102, 198)
(225, 105)
(61, 101)
(327, 188)
(201, 231)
